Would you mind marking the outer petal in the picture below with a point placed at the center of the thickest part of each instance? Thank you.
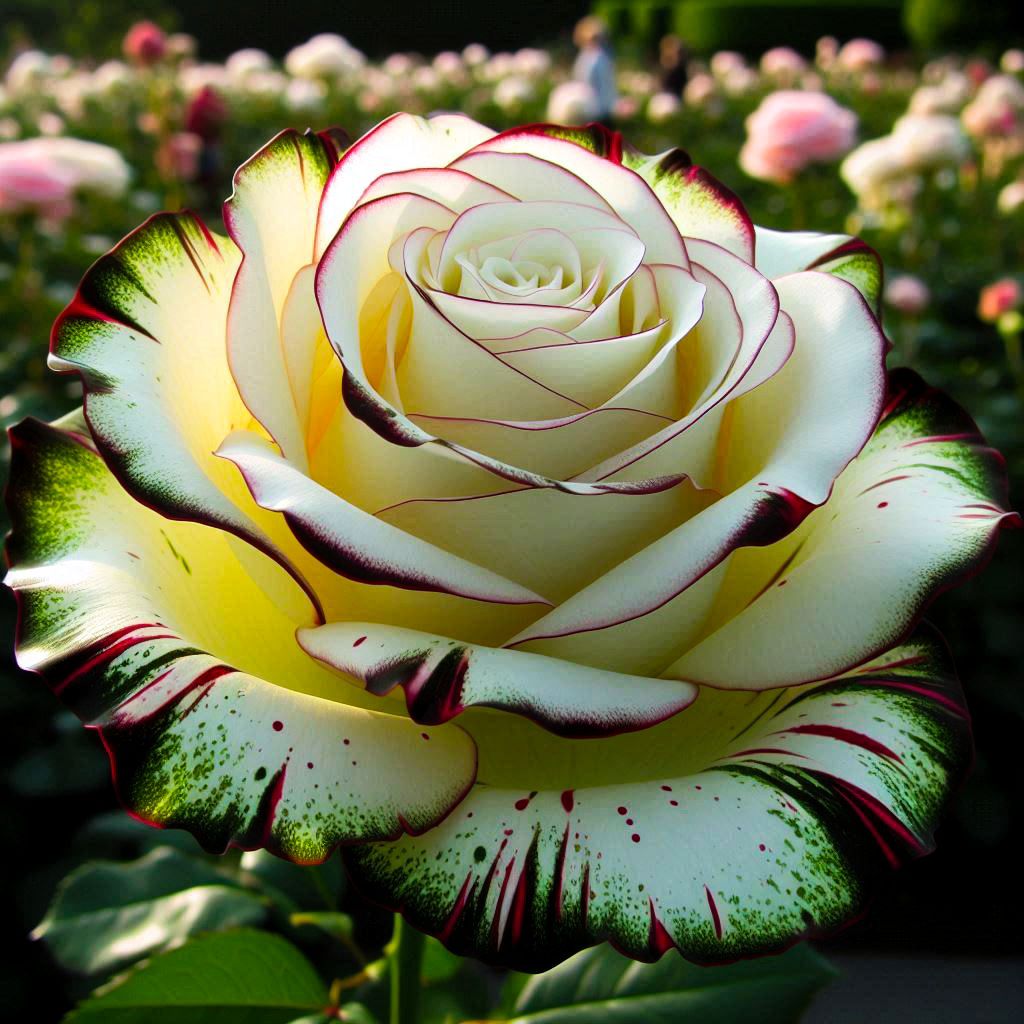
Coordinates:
(918, 510)
(776, 835)
(271, 216)
(146, 333)
(786, 252)
(700, 206)
(442, 677)
(353, 542)
(116, 607)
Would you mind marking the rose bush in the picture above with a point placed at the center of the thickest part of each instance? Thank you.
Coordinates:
(510, 511)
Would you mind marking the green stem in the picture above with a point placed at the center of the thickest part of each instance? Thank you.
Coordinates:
(406, 955)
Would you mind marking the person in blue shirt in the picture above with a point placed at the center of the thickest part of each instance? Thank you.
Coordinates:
(595, 65)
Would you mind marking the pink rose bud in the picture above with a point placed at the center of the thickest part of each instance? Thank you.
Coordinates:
(30, 181)
(998, 298)
(145, 44)
(791, 129)
(908, 294)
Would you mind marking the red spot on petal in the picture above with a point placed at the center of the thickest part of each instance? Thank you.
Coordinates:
(629, 821)
(359, 641)
(521, 805)
(622, 810)
(761, 847)
(278, 726)
(712, 906)
(346, 741)
(309, 764)
(425, 735)
(698, 787)
(508, 831)
(567, 800)
(883, 504)
(668, 789)
(635, 837)
(674, 803)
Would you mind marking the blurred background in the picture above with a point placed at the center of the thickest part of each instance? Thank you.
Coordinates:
(902, 122)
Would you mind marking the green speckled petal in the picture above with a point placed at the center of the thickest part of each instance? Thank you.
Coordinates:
(919, 509)
(778, 835)
(700, 206)
(145, 332)
(215, 720)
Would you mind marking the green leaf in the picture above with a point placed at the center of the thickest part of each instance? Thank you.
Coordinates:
(239, 977)
(438, 963)
(106, 916)
(600, 986)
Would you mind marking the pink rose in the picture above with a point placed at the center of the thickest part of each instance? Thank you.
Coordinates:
(908, 295)
(860, 54)
(783, 63)
(29, 182)
(998, 298)
(791, 129)
(145, 43)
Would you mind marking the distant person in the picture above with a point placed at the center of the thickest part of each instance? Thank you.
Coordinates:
(594, 66)
(673, 60)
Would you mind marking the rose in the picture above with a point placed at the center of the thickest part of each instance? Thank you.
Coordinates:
(414, 516)
(326, 55)
(145, 43)
(908, 295)
(860, 55)
(791, 129)
(571, 102)
(996, 299)
(44, 174)
(997, 110)
(662, 107)
(783, 64)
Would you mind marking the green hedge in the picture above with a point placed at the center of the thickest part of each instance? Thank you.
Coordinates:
(939, 23)
(754, 26)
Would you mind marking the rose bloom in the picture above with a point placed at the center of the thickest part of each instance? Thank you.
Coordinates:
(699, 90)
(662, 106)
(31, 182)
(1012, 62)
(1011, 197)
(998, 298)
(783, 63)
(145, 43)
(997, 110)
(572, 102)
(510, 512)
(929, 142)
(74, 163)
(326, 55)
(792, 129)
(859, 55)
(908, 295)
